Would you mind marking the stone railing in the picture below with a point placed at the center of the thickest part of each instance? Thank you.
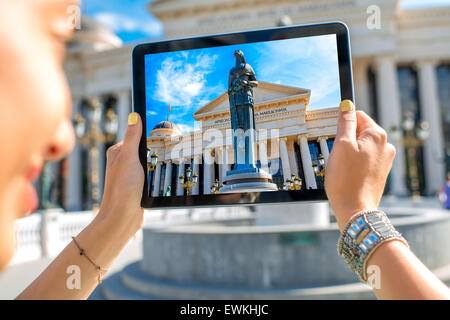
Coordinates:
(46, 233)
(28, 239)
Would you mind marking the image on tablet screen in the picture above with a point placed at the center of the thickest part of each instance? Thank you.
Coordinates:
(254, 117)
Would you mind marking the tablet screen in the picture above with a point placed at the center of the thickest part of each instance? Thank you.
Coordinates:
(253, 117)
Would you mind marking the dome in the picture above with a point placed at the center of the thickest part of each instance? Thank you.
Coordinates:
(93, 36)
(165, 128)
(166, 125)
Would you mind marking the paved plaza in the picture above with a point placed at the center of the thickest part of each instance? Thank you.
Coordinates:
(19, 275)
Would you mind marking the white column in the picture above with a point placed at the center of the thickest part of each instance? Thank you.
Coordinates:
(292, 160)
(263, 155)
(156, 180)
(324, 149)
(218, 159)
(213, 167)
(50, 232)
(224, 165)
(308, 170)
(73, 182)
(389, 111)
(168, 177)
(195, 169)
(285, 159)
(208, 171)
(180, 189)
(123, 109)
(430, 111)
(101, 165)
(360, 78)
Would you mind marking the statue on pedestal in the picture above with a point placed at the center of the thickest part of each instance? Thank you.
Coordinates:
(241, 82)
(245, 176)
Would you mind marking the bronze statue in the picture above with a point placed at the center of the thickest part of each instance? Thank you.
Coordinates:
(241, 82)
(245, 175)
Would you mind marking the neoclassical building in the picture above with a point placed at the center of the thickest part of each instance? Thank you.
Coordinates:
(402, 66)
(289, 138)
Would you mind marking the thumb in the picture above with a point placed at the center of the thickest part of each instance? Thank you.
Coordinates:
(133, 134)
(346, 127)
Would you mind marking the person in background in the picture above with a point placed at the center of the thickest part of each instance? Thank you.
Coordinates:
(444, 193)
(35, 126)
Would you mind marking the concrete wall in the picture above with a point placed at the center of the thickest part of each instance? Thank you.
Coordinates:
(275, 256)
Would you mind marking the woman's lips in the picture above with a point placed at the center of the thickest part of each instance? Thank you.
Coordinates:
(33, 173)
(31, 200)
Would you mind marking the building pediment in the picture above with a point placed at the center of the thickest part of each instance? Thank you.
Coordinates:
(263, 94)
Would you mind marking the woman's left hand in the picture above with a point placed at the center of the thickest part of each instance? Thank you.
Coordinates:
(119, 218)
(121, 205)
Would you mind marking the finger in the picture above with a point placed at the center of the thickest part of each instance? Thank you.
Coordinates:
(346, 128)
(391, 150)
(368, 127)
(133, 134)
(364, 122)
(112, 153)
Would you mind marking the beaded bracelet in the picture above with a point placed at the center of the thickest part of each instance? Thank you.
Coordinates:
(362, 235)
(83, 253)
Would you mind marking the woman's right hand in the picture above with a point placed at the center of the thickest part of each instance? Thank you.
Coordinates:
(358, 165)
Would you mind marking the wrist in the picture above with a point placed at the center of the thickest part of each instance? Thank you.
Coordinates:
(362, 236)
(118, 227)
(344, 213)
(102, 241)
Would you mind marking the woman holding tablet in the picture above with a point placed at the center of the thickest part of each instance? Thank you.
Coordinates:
(35, 126)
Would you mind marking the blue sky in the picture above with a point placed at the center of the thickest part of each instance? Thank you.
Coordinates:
(188, 80)
(132, 22)
(129, 19)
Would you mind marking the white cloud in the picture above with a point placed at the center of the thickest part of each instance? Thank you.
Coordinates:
(322, 86)
(185, 128)
(151, 113)
(309, 63)
(118, 23)
(193, 88)
(179, 83)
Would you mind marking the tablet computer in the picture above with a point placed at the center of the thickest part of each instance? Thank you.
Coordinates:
(240, 118)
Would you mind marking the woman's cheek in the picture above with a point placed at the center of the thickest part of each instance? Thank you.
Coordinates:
(54, 100)
(8, 214)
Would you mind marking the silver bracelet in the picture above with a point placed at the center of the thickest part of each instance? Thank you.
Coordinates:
(362, 235)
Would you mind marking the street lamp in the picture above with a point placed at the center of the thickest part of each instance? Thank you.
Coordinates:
(215, 187)
(412, 136)
(190, 182)
(319, 166)
(152, 159)
(90, 134)
(111, 125)
(294, 183)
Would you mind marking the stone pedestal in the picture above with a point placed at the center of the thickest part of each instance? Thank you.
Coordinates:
(248, 180)
(315, 214)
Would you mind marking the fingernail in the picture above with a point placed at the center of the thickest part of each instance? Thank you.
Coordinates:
(133, 118)
(346, 105)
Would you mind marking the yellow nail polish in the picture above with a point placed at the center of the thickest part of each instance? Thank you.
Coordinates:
(346, 105)
(132, 118)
